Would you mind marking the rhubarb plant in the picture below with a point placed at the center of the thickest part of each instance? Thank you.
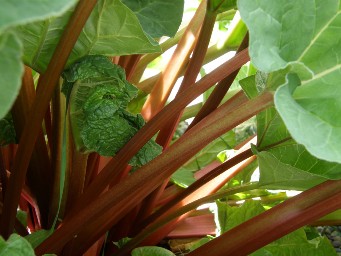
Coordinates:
(97, 159)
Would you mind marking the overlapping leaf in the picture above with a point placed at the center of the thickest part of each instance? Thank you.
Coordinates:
(286, 161)
(295, 243)
(11, 69)
(184, 176)
(283, 163)
(12, 13)
(158, 17)
(219, 6)
(15, 245)
(287, 40)
(112, 29)
(275, 174)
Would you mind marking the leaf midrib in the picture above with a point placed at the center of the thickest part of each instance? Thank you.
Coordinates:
(318, 35)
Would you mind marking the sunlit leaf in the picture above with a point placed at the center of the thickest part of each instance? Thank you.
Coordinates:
(296, 243)
(12, 13)
(112, 29)
(229, 217)
(309, 98)
(275, 174)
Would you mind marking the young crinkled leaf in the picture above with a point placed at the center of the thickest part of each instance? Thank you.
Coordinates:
(98, 95)
(7, 132)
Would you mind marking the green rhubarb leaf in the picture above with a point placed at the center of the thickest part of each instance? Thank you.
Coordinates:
(36, 238)
(15, 245)
(308, 99)
(184, 176)
(151, 251)
(282, 158)
(13, 14)
(270, 129)
(98, 94)
(274, 29)
(7, 132)
(228, 217)
(312, 120)
(158, 17)
(112, 30)
(11, 70)
(274, 174)
(219, 6)
(249, 86)
(296, 243)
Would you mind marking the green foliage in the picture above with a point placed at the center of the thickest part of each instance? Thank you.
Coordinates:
(157, 17)
(274, 174)
(106, 33)
(274, 138)
(219, 6)
(310, 66)
(282, 151)
(13, 14)
(151, 251)
(15, 245)
(7, 132)
(11, 67)
(228, 217)
(295, 243)
(38, 237)
(184, 176)
(298, 138)
(99, 95)
(201, 242)
(11, 70)
(22, 217)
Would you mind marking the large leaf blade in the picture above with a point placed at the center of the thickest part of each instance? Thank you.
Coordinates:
(158, 17)
(12, 14)
(11, 70)
(309, 101)
(295, 243)
(112, 30)
(15, 245)
(275, 174)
